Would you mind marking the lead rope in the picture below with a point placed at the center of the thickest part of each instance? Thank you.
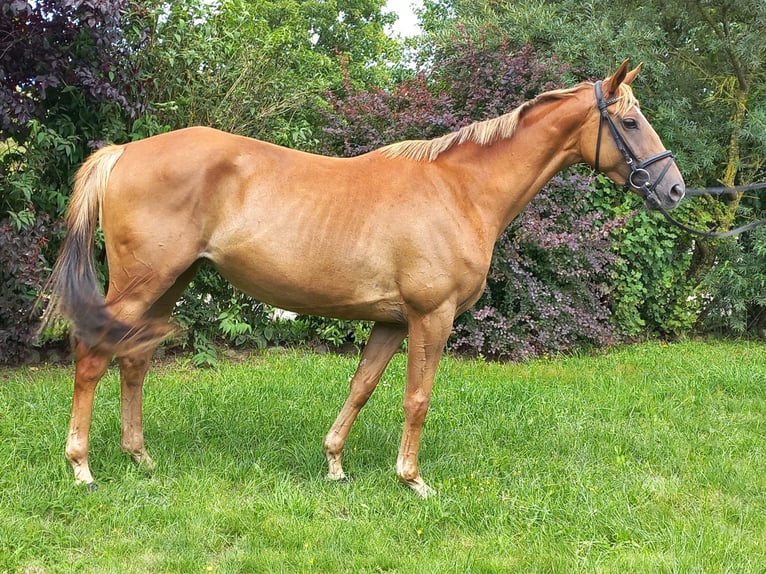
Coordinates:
(717, 191)
(723, 190)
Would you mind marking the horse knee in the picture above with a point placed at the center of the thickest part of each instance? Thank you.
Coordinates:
(416, 406)
(89, 366)
(133, 369)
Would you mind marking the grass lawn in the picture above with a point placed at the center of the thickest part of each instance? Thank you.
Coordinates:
(649, 458)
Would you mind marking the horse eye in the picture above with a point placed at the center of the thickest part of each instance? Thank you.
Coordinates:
(630, 123)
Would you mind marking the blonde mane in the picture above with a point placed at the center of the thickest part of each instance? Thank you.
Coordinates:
(489, 131)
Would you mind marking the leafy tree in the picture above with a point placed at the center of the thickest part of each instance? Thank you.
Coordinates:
(222, 65)
(720, 49)
(354, 29)
(736, 287)
(259, 68)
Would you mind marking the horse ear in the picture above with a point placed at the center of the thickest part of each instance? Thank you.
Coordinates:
(612, 83)
(630, 76)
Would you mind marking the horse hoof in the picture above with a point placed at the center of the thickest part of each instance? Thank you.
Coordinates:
(420, 487)
(338, 478)
(92, 487)
(147, 469)
(425, 491)
(144, 462)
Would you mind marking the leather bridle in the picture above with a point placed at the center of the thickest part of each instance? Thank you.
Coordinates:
(639, 179)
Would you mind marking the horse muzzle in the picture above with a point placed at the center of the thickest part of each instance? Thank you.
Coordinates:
(668, 200)
(661, 192)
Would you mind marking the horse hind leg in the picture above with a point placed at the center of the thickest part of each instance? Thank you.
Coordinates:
(90, 366)
(383, 342)
(133, 370)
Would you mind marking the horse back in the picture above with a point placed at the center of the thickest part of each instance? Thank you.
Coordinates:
(306, 232)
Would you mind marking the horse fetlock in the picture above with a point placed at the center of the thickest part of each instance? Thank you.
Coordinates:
(334, 467)
(408, 474)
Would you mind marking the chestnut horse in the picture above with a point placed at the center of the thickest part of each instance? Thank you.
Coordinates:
(401, 236)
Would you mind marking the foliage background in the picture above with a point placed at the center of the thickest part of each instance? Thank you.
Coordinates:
(326, 77)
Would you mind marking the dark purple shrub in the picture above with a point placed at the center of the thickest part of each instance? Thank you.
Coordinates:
(473, 82)
(61, 49)
(485, 82)
(22, 273)
(549, 280)
(360, 121)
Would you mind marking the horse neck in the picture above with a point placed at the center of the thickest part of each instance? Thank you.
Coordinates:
(510, 172)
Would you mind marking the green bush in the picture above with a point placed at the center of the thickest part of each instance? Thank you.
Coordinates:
(653, 288)
(735, 289)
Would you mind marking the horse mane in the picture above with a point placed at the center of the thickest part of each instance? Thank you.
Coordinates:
(487, 132)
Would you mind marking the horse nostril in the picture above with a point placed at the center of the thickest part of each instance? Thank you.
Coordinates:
(677, 192)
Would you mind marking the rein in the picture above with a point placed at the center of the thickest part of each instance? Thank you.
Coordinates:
(717, 191)
(641, 181)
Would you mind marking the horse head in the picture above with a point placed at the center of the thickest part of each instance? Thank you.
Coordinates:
(632, 153)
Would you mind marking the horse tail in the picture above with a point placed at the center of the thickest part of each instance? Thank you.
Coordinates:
(73, 289)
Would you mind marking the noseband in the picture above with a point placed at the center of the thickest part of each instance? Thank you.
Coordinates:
(639, 179)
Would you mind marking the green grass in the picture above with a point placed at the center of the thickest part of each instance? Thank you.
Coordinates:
(650, 458)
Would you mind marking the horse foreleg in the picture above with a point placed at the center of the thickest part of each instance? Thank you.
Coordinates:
(383, 342)
(90, 366)
(133, 370)
(427, 336)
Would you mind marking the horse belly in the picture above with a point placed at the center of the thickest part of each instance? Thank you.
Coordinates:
(311, 285)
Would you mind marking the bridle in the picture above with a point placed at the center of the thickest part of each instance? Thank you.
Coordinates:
(641, 180)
